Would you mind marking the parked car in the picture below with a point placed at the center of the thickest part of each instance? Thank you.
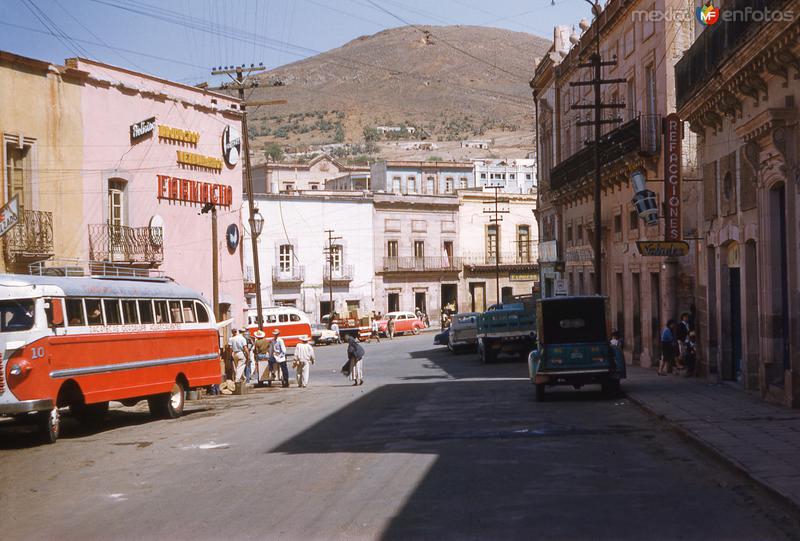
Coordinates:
(403, 322)
(463, 331)
(322, 335)
(442, 339)
(573, 347)
(508, 328)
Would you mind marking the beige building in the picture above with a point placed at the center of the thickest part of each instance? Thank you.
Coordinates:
(42, 154)
(742, 100)
(320, 173)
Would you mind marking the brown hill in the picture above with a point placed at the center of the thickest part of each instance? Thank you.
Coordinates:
(452, 82)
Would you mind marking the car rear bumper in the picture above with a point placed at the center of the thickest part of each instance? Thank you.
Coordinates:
(571, 377)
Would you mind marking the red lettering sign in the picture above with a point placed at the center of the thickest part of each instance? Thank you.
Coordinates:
(672, 177)
(193, 191)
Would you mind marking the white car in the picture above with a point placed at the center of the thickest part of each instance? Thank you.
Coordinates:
(463, 331)
(322, 335)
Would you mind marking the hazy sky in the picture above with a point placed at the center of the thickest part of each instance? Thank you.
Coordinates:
(143, 34)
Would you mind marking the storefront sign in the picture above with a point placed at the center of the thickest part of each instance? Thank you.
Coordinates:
(231, 145)
(193, 191)
(548, 251)
(672, 177)
(523, 276)
(662, 248)
(198, 160)
(140, 129)
(561, 287)
(9, 215)
(178, 135)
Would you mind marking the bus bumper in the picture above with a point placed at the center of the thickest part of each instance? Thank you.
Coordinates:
(26, 406)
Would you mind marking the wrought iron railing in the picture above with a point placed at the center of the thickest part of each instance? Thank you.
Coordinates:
(31, 238)
(293, 274)
(123, 244)
(523, 258)
(342, 273)
(421, 264)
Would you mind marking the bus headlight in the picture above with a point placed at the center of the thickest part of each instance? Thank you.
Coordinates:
(19, 368)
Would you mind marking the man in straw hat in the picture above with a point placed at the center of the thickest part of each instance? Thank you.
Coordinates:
(262, 352)
(277, 350)
(303, 357)
(238, 345)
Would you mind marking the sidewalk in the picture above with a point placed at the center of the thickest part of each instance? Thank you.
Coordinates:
(760, 439)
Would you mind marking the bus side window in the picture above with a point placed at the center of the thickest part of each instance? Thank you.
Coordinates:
(271, 319)
(202, 313)
(129, 313)
(112, 311)
(162, 314)
(175, 311)
(283, 318)
(94, 312)
(188, 312)
(294, 317)
(75, 316)
(146, 311)
(55, 312)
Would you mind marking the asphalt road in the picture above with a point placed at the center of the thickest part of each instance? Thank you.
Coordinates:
(432, 446)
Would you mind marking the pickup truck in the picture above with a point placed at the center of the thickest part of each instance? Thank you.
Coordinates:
(350, 326)
(508, 328)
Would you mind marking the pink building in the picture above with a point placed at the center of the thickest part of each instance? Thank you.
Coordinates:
(155, 155)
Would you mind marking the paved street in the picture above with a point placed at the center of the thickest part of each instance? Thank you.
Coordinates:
(432, 446)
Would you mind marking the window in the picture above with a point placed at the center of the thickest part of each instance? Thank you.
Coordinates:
(55, 312)
(188, 312)
(448, 185)
(631, 101)
(129, 313)
(146, 311)
(419, 249)
(448, 249)
(569, 233)
(391, 248)
(113, 316)
(285, 258)
(294, 317)
(411, 183)
(175, 311)
(524, 243)
(16, 315)
(336, 258)
(315, 186)
(116, 194)
(396, 184)
(283, 318)
(431, 185)
(650, 82)
(18, 171)
(528, 176)
(579, 235)
(162, 314)
(512, 176)
(94, 313)
(202, 313)
(75, 315)
(463, 183)
(289, 187)
(483, 176)
(492, 234)
(618, 224)
(634, 219)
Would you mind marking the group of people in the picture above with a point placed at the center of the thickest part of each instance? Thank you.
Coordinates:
(678, 347)
(269, 355)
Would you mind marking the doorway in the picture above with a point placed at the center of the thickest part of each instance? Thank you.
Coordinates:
(324, 308)
(393, 302)
(449, 298)
(420, 302)
(735, 295)
(655, 316)
(636, 295)
(477, 291)
(506, 294)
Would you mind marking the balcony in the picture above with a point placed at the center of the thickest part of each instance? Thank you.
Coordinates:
(422, 264)
(641, 135)
(294, 275)
(143, 246)
(483, 262)
(343, 274)
(715, 44)
(31, 239)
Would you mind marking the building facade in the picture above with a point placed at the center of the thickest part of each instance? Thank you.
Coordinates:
(316, 174)
(515, 176)
(748, 261)
(423, 178)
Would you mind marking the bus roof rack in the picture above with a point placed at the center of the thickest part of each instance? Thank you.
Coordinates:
(94, 269)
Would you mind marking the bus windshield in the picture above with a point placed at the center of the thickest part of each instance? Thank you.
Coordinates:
(16, 315)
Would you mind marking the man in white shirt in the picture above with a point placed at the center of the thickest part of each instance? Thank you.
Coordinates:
(277, 350)
(303, 357)
(238, 345)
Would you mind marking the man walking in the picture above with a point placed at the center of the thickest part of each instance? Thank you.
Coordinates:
(238, 344)
(668, 347)
(390, 328)
(303, 357)
(261, 350)
(355, 353)
(375, 331)
(277, 350)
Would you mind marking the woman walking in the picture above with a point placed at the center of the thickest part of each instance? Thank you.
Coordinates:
(355, 353)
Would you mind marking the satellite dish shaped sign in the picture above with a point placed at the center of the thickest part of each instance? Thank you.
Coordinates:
(231, 145)
(9, 215)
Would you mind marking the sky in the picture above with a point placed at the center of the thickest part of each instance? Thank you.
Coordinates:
(183, 40)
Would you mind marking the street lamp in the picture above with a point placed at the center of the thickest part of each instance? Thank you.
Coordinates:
(256, 226)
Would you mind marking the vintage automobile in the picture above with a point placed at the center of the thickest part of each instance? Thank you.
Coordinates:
(403, 322)
(573, 346)
(322, 335)
(441, 338)
(463, 331)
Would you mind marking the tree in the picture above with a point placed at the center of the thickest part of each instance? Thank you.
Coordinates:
(371, 134)
(339, 135)
(274, 152)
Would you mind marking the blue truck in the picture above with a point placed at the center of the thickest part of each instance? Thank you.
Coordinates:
(508, 328)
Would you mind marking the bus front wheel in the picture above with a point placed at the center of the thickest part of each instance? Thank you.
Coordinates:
(168, 405)
(49, 423)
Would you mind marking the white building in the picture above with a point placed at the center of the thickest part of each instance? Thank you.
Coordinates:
(294, 177)
(515, 176)
(292, 261)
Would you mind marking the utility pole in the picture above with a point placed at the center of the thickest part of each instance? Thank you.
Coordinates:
(329, 252)
(496, 220)
(596, 64)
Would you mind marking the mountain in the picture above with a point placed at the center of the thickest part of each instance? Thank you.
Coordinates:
(448, 82)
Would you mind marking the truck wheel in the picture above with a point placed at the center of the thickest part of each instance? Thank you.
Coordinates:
(540, 392)
(168, 405)
(49, 424)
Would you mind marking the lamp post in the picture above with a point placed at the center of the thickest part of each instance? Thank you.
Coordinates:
(256, 225)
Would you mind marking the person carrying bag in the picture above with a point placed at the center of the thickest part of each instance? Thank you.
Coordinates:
(355, 354)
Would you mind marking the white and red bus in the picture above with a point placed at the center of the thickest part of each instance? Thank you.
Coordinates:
(81, 342)
(291, 322)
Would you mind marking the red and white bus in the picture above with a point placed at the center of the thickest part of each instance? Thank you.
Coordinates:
(81, 342)
(291, 322)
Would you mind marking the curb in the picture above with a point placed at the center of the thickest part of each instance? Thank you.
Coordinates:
(717, 454)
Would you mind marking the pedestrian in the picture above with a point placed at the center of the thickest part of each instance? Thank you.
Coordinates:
(418, 313)
(616, 349)
(681, 335)
(277, 350)
(390, 327)
(261, 348)
(335, 328)
(355, 353)
(250, 357)
(303, 356)
(668, 348)
(375, 331)
(690, 359)
(238, 345)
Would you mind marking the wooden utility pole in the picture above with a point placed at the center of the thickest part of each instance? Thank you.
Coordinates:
(496, 219)
(329, 252)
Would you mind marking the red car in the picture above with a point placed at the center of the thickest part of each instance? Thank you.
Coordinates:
(403, 322)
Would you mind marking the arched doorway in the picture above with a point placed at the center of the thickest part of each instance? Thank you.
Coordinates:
(732, 295)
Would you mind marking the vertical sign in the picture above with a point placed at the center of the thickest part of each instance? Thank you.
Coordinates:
(672, 177)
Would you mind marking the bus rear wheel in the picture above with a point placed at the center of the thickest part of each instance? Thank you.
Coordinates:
(168, 405)
(49, 423)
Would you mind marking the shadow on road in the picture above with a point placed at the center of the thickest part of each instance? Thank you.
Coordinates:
(468, 364)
